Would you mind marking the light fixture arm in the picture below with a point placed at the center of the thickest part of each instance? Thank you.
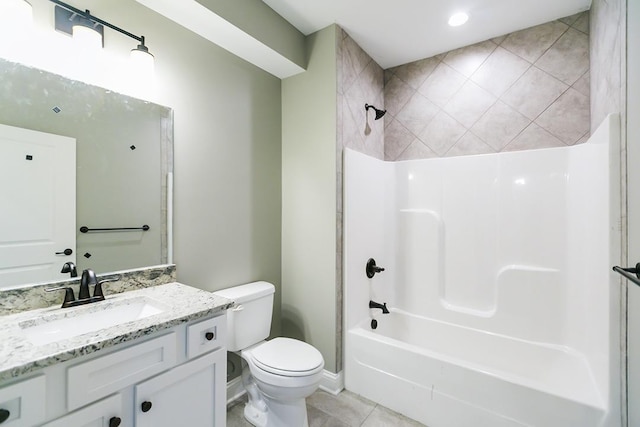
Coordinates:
(89, 16)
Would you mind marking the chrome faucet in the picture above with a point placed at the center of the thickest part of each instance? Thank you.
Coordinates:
(383, 307)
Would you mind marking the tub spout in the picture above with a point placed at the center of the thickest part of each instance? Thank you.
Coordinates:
(383, 307)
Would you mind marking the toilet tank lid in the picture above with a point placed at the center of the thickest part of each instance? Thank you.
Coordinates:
(248, 292)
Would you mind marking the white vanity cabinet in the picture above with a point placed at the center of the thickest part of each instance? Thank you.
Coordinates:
(105, 413)
(174, 377)
(184, 396)
(22, 403)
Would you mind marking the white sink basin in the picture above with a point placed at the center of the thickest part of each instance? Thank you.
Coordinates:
(72, 322)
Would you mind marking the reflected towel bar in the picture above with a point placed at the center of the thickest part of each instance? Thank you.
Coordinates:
(85, 229)
(631, 273)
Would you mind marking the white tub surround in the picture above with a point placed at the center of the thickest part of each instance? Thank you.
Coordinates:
(498, 280)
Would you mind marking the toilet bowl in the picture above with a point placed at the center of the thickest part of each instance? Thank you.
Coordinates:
(280, 373)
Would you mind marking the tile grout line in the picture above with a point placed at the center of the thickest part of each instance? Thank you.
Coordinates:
(369, 414)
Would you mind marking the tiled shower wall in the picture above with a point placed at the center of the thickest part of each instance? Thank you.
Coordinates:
(524, 90)
(359, 82)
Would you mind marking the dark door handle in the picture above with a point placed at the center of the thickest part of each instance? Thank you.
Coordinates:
(67, 252)
(146, 406)
(4, 415)
(115, 422)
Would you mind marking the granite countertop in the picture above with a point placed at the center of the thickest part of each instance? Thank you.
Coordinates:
(181, 303)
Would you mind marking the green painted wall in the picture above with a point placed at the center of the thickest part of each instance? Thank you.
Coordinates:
(309, 198)
(257, 19)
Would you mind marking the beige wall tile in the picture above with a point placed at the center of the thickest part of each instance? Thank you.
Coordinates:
(499, 125)
(397, 139)
(415, 73)
(442, 133)
(417, 113)
(531, 43)
(568, 58)
(417, 150)
(582, 85)
(500, 39)
(534, 137)
(469, 104)
(442, 84)
(569, 20)
(469, 144)
(534, 92)
(500, 71)
(568, 117)
(493, 90)
(396, 95)
(468, 59)
(582, 23)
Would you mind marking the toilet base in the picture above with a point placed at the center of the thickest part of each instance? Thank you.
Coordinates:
(278, 414)
(255, 416)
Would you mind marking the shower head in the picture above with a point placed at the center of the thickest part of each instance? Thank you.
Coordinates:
(379, 113)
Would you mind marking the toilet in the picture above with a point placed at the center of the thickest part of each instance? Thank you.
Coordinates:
(280, 373)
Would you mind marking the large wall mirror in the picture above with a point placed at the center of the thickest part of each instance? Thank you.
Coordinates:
(123, 155)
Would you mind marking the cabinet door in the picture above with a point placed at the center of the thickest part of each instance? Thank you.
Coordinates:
(105, 413)
(23, 404)
(193, 394)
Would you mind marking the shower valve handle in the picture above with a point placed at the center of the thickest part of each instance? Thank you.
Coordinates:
(372, 268)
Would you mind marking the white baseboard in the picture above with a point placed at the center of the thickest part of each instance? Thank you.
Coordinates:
(331, 383)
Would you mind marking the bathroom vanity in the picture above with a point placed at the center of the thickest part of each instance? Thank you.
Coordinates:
(148, 357)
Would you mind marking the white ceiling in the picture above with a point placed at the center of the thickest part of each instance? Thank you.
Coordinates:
(395, 32)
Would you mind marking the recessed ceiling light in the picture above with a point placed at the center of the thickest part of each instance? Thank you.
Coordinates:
(458, 19)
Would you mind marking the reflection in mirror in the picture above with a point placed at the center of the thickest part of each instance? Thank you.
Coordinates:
(123, 153)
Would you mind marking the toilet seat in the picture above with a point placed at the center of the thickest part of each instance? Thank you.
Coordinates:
(287, 357)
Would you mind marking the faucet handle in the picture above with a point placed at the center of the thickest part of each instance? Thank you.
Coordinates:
(97, 291)
(69, 296)
(371, 268)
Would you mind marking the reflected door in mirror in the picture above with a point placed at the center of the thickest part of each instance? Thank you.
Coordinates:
(37, 205)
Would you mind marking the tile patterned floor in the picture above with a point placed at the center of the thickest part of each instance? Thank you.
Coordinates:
(344, 410)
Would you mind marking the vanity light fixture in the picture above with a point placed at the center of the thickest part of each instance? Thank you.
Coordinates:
(21, 8)
(458, 19)
(78, 23)
(85, 33)
(16, 13)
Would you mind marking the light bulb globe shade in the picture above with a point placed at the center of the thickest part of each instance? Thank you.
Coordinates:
(142, 61)
(16, 13)
(85, 36)
(458, 19)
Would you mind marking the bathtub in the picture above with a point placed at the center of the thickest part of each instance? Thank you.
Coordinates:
(447, 375)
(503, 307)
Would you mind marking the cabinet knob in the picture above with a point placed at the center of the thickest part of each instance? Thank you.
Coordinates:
(115, 422)
(209, 336)
(4, 415)
(146, 405)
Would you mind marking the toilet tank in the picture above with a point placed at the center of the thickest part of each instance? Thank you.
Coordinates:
(249, 320)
